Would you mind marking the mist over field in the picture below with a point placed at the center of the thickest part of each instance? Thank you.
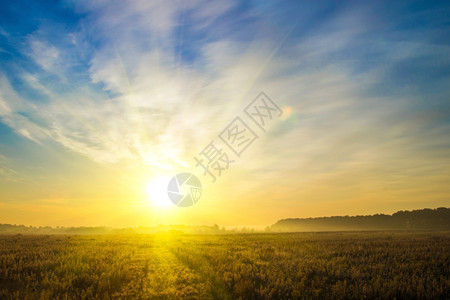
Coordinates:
(426, 219)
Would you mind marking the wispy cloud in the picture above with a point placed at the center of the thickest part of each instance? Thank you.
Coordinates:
(160, 105)
(45, 55)
(7, 172)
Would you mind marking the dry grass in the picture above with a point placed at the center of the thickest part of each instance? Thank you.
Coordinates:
(246, 266)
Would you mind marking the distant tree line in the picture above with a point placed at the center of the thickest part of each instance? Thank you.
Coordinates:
(423, 219)
(21, 229)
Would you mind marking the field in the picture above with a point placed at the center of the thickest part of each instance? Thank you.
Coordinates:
(342, 265)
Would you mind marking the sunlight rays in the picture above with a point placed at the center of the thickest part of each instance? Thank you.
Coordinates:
(157, 192)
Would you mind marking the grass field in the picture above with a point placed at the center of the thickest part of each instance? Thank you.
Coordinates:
(247, 266)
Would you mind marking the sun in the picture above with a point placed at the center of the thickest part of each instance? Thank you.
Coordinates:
(157, 191)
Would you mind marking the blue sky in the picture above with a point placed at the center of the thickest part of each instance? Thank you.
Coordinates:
(92, 86)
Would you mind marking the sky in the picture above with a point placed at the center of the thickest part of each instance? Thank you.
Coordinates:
(103, 102)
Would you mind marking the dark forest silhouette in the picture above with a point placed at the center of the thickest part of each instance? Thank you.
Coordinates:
(423, 219)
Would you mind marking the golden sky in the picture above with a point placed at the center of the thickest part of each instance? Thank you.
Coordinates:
(102, 104)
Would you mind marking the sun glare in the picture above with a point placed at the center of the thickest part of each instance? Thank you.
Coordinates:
(157, 192)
